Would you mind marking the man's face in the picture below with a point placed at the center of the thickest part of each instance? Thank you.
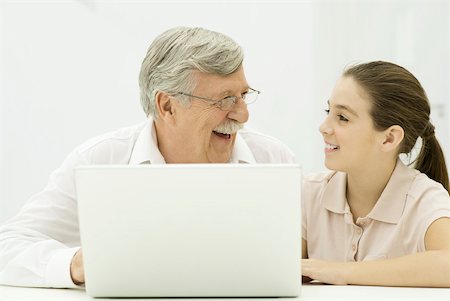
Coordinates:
(202, 132)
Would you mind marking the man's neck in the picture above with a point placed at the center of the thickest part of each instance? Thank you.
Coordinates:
(168, 152)
(173, 153)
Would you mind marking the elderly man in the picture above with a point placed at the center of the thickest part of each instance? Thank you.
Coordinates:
(195, 95)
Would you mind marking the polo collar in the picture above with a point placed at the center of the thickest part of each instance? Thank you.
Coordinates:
(334, 197)
(388, 208)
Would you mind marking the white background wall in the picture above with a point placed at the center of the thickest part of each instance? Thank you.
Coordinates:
(69, 69)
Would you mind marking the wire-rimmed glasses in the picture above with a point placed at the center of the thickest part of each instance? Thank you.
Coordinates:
(228, 102)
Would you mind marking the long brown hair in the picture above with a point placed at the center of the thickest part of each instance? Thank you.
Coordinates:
(399, 99)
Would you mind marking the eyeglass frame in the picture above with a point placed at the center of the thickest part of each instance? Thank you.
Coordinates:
(216, 102)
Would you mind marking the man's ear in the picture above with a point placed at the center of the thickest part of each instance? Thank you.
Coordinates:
(164, 105)
(392, 138)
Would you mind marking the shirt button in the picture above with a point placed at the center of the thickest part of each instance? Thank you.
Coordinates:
(364, 222)
(359, 231)
(354, 248)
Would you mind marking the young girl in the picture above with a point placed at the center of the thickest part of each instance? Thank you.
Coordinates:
(373, 220)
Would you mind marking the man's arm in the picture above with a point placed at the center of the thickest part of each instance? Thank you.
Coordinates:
(425, 269)
(38, 244)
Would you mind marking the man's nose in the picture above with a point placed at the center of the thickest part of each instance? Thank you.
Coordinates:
(239, 111)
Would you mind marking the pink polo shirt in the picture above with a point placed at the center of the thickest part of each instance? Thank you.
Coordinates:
(396, 225)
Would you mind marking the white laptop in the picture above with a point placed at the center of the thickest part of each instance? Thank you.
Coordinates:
(190, 230)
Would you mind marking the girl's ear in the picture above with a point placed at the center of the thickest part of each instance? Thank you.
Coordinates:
(392, 138)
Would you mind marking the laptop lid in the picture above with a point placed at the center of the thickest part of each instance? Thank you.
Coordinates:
(197, 230)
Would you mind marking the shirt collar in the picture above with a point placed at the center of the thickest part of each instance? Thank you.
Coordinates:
(241, 152)
(334, 197)
(390, 205)
(146, 151)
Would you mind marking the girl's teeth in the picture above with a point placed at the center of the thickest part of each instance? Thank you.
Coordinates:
(330, 146)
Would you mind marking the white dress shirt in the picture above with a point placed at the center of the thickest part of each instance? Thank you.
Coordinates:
(37, 245)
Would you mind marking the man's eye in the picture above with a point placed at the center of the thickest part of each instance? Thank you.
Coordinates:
(229, 99)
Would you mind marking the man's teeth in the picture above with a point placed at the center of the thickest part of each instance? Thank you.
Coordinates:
(331, 146)
(222, 134)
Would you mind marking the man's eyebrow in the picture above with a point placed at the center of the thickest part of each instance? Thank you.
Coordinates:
(342, 107)
(227, 93)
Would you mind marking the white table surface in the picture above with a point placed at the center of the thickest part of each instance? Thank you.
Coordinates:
(309, 292)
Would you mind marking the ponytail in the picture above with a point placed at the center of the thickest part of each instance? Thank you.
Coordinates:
(431, 159)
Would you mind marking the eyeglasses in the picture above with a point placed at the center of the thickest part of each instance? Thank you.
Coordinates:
(228, 102)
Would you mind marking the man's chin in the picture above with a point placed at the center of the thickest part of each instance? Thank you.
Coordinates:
(221, 149)
(220, 157)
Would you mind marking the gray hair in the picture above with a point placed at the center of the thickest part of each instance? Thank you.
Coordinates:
(176, 54)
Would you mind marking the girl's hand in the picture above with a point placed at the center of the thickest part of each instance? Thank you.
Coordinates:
(326, 271)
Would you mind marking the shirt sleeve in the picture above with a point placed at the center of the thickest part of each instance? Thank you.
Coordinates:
(37, 245)
(434, 204)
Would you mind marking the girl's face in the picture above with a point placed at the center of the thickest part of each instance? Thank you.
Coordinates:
(351, 141)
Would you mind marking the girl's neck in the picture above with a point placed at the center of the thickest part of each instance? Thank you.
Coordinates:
(364, 188)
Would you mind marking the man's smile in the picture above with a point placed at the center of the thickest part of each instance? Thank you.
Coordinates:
(221, 135)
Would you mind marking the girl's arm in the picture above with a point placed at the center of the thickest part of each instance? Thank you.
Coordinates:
(305, 256)
(427, 269)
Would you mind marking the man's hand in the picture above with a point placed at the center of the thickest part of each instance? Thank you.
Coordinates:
(76, 268)
(325, 271)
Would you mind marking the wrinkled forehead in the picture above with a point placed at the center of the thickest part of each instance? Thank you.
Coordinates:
(212, 84)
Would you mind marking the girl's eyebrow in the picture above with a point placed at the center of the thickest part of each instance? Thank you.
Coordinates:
(343, 107)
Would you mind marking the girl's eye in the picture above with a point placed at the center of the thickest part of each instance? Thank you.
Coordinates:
(342, 118)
